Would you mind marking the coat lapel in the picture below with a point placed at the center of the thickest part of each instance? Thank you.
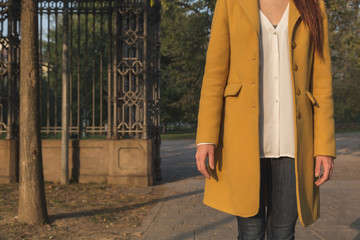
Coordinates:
(293, 18)
(251, 9)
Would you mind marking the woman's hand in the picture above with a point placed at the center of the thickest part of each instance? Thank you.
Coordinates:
(202, 151)
(328, 165)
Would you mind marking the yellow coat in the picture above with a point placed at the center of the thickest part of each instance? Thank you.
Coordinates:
(229, 109)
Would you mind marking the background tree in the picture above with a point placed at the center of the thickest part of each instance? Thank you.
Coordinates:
(185, 32)
(51, 43)
(32, 204)
(185, 29)
(345, 45)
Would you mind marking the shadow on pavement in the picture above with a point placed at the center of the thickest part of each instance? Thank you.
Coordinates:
(356, 225)
(93, 212)
(209, 227)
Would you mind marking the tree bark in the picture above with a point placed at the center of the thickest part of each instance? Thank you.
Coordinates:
(32, 203)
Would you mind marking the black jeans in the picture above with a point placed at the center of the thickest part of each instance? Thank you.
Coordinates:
(278, 180)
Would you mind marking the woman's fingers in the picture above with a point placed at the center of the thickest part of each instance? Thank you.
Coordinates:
(325, 176)
(200, 162)
(317, 167)
(331, 169)
(328, 165)
(211, 159)
(202, 152)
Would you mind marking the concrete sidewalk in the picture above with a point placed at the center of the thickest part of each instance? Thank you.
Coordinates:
(181, 215)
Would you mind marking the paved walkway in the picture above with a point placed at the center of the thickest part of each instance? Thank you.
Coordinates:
(181, 215)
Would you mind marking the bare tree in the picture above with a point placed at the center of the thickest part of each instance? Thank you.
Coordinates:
(32, 203)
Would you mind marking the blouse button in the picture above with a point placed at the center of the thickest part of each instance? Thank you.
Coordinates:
(293, 45)
(298, 91)
(298, 115)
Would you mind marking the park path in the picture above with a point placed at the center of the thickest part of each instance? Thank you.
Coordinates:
(181, 215)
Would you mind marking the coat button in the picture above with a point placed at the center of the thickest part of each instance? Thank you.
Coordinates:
(293, 45)
(298, 115)
(295, 67)
(298, 91)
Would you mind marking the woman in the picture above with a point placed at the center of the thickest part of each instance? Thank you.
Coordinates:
(265, 120)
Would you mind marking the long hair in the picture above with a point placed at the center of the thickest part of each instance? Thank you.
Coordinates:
(311, 14)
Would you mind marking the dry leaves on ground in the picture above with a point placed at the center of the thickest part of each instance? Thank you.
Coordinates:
(81, 211)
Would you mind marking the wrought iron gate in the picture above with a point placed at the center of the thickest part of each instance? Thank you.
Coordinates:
(9, 67)
(114, 68)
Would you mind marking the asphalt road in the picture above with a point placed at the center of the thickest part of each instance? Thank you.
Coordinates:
(180, 215)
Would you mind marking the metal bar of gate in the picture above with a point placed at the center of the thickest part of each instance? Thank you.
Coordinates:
(65, 97)
(109, 69)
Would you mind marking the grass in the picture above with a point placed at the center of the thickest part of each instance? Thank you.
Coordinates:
(179, 134)
(347, 130)
(58, 136)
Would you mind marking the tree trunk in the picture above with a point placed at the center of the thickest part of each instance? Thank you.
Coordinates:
(32, 203)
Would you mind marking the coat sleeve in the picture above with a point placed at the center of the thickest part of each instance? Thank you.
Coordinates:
(215, 77)
(324, 125)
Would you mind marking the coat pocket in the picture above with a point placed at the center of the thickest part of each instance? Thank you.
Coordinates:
(311, 97)
(232, 89)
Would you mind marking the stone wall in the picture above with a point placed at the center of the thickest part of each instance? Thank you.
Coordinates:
(128, 162)
(9, 161)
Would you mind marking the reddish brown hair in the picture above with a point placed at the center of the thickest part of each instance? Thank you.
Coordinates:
(311, 14)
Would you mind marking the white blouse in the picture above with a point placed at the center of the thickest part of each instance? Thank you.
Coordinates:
(276, 123)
